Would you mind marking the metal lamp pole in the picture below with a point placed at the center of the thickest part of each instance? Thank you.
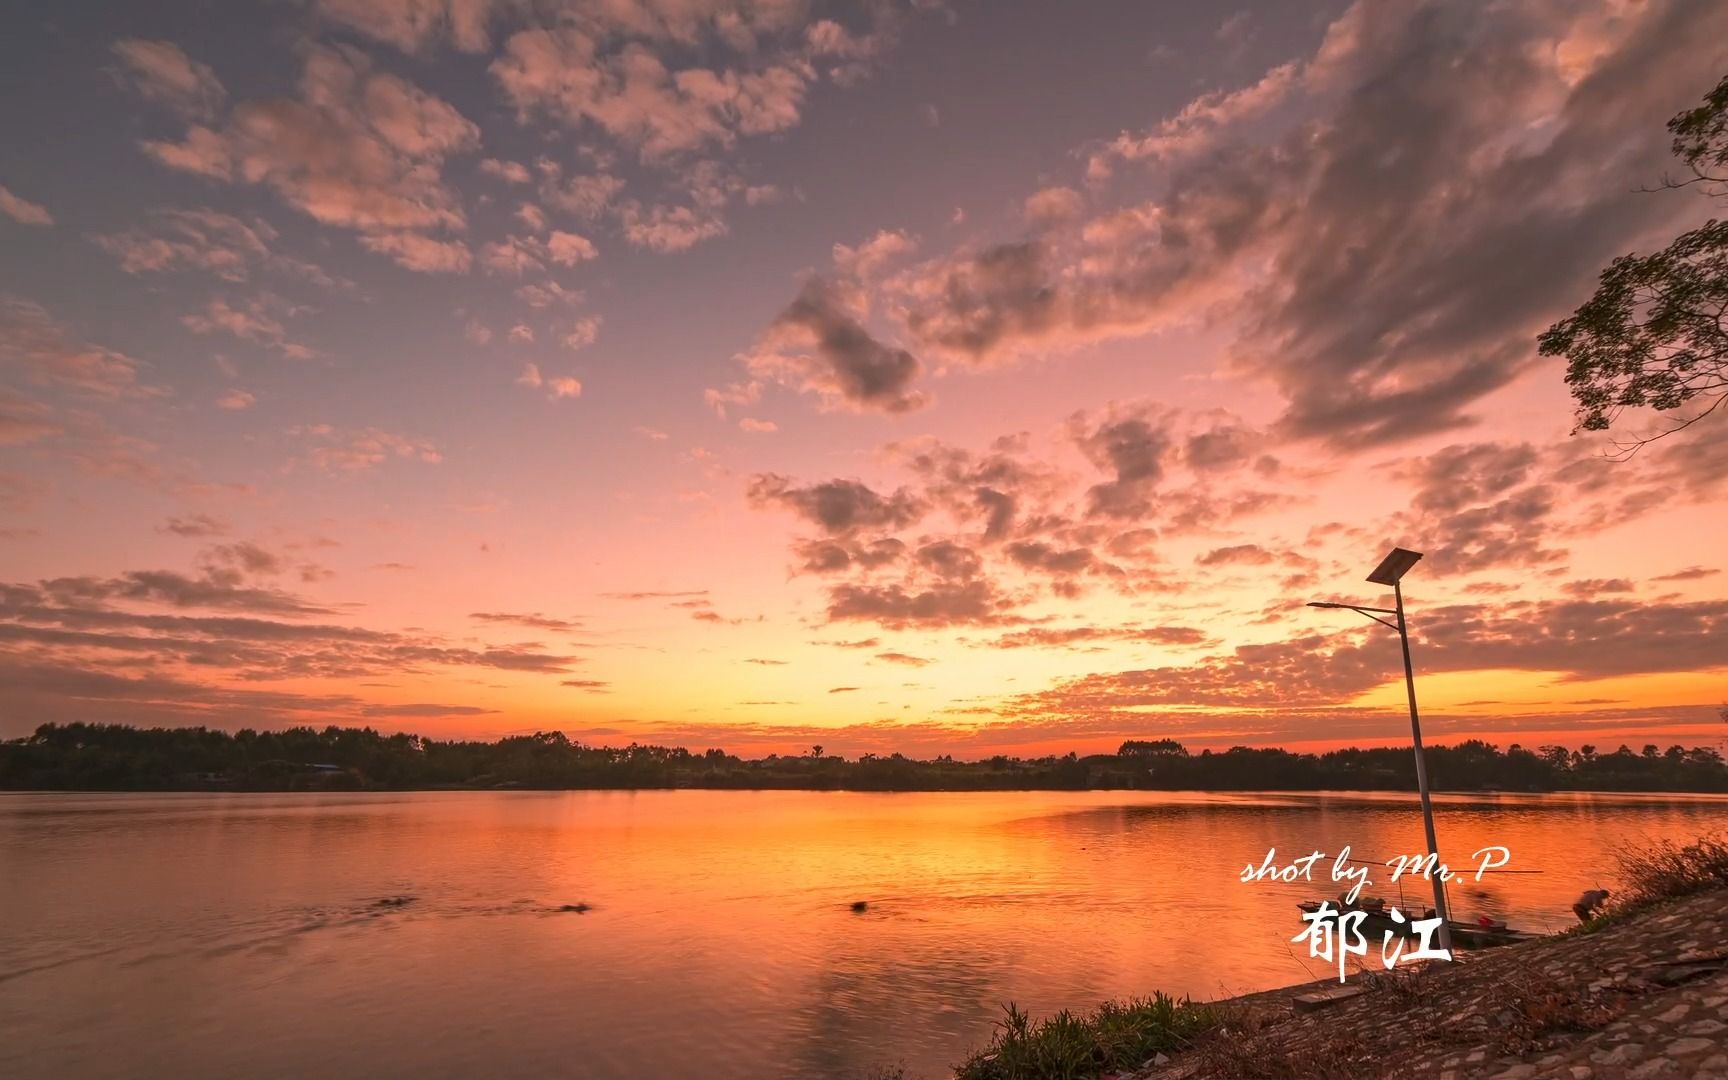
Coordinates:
(1391, 572)
(1422, 774)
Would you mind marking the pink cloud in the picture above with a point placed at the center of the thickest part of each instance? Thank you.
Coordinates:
(357, 149)
(33, 342)
(511, 172)
(583, 333)
(421, 253)
(335, 450)
(23, 420)
(568, 249)
(254, 320)
(634, 97)
(557, 387)
(415, 25)
(668, 228)
(160, 71)
(23, 211)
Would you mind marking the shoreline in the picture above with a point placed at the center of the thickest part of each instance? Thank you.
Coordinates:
(1644, 996)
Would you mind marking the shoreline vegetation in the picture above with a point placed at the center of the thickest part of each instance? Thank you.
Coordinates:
(114, 757)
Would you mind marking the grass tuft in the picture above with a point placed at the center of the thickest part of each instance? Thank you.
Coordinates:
(1070, 1047)
(1663, 870)
(1658, 871)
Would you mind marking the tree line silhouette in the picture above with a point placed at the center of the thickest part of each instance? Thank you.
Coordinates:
(91, 757)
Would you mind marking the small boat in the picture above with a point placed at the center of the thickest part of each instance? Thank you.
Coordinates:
(1486, 935)
(1378, 921)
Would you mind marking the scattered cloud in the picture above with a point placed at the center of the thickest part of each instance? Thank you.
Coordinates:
(357, 149)
(511, 172)
(207, 240)
(866, 261)
(257, 320)
(338, 451)
(535, 621)
(582, 333)
(1041, 637)
(592, 686)
(556, 386)
(163, 646)
(1262, 186)
(195, 526)
(839, 507)
(1691, 573)
(425, 710)
(22, 210)
(903, 658)
(943, 604)
(563, 73)
(817, 344)
(415, 26)
(160, 71)
(45, 353)
(569, 249)
(668, 228)
(1581, 640)
(421, 253)
(1053, 207)
(1236, 555)
(687, 594)
(23, 420)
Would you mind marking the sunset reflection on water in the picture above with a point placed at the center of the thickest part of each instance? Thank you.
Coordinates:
(205, 935)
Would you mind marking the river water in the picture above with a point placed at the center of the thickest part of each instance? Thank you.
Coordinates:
(421, 934)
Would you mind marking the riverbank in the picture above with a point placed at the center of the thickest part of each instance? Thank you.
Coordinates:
(1643, 997)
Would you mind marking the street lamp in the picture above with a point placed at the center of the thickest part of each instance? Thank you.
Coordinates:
(1390, 572)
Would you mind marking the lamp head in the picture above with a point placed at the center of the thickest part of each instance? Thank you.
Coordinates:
(1394, 566)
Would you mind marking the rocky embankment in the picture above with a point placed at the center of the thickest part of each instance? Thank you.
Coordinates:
(1640, 999)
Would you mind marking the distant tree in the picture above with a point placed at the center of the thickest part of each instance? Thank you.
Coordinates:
(114, 757)
(1154, 748)
(816, 751)
(1656, 331)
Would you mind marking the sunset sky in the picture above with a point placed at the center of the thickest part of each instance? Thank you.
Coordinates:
(943, 376)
